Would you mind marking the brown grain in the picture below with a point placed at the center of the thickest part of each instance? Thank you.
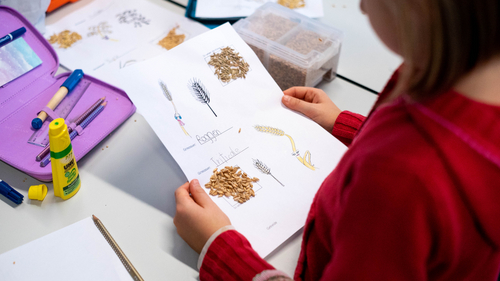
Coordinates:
(65, 39)
(231, 182)
(172, 39)
(228, 65)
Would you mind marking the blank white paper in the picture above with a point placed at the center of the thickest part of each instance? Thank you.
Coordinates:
(78, 252)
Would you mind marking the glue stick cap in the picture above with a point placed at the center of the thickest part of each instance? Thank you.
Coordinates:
(37, 192)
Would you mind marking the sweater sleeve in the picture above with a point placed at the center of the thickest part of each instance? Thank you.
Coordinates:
(231, 257)
(346, 126)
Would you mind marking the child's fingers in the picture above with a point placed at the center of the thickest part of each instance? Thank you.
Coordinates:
(307, 94)
(306, 108)
(182, 194)
(199, 195)
(297, 92)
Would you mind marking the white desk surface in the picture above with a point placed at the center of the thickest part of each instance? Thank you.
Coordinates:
(363, 58)
(128, 181)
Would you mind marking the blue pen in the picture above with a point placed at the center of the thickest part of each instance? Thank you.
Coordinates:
(12, 36)
(68, 85)
(10, 193)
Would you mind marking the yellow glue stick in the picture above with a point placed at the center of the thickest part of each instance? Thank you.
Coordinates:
(65, 174)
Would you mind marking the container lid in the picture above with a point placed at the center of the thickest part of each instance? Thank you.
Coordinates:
(289, 35)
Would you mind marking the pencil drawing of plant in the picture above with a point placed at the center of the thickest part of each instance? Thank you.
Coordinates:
(131, 16)
(306, 161)
(199, 92)
(102, 29)
(177, 116)
(264, 169)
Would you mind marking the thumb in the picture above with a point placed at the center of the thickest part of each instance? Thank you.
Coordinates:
(299, 105)
(199, 195)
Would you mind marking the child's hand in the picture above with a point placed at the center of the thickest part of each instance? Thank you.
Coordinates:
(313, 103)
(197, 217)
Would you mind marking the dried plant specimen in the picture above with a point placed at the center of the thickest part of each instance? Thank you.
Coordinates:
(306, 160)
(65, 38)
(172, 39)
(131, 16)
(231, 181)
(200, 93)
(264, 169)
(292, 4)
(102, 29)
(229, 65)
(177, 116)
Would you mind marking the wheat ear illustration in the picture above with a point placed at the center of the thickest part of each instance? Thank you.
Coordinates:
(264, 169)
(306, 161)
(200, 93)
(177, 116)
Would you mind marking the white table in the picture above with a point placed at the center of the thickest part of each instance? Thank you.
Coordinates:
(128, 181)
(363, 58)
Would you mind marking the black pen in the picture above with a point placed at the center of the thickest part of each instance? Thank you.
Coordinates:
(12, 36)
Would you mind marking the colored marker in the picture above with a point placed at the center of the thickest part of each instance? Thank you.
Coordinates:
(10, 193)
(66, 87)
(12, 36)
(78, 122)
(73, 134)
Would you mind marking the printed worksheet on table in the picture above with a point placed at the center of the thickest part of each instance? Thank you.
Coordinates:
(108, 35)
(210, 117)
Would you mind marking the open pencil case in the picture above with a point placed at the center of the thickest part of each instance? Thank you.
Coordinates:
(22, 98)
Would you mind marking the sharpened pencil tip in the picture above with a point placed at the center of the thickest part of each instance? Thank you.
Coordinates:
(104, 103)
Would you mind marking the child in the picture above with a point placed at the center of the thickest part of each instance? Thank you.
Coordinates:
(417, 195)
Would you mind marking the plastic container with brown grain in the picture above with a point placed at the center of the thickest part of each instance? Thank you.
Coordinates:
(296, 50)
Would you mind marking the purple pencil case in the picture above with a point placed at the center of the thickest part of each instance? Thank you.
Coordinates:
(22, 98)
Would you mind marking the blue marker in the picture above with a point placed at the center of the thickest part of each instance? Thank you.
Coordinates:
(66, 87)
(12, 36)
(10, 193)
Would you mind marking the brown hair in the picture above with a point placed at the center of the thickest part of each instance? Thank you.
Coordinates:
(442, 40)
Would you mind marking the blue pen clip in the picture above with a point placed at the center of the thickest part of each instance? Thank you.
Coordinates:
(10, 193)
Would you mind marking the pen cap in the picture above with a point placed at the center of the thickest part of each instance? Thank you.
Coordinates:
(18, 32)
(73, 80)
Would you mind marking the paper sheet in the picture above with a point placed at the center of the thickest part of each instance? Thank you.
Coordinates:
(76, 252)
(202, 137)
(244, 8)
(118, 33)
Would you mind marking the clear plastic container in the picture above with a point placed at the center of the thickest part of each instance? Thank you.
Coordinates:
(296, 50)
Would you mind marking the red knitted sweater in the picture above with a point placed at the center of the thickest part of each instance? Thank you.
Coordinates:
(416, 197)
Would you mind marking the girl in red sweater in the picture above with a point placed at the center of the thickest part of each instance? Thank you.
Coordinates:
(417, 195)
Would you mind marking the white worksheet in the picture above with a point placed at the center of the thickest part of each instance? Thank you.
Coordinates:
(244, 8)
(78, 252)
(244, 121)
(118, 33)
